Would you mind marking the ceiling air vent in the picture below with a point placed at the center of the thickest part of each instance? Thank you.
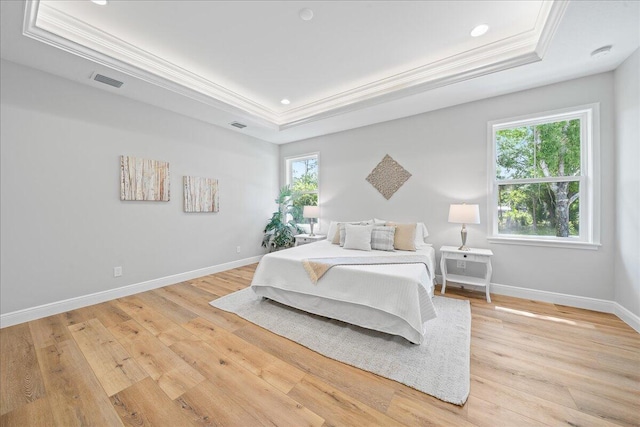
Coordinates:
(238, 125)
(107, 80)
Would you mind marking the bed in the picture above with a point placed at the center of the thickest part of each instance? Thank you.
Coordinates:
(391, 298)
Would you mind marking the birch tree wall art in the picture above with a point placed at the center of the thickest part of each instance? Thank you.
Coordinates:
(200, 194)
(143, 179)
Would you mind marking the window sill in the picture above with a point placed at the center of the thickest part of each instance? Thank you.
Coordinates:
(544, 242)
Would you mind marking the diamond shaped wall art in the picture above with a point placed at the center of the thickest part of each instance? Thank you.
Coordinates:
(388, 176)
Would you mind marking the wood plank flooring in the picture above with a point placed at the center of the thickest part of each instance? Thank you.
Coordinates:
(166, 357)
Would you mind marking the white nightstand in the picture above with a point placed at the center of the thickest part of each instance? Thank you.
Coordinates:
(303, 239)
(472, 255)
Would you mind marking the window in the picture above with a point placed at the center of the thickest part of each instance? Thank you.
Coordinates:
(542, 184)
(302, 176)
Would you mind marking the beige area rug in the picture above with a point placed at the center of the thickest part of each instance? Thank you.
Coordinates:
(438, 367)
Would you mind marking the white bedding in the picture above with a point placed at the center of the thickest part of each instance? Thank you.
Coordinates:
(390, 298)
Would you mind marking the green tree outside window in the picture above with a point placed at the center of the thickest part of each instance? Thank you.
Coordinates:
(303, 179)
(538, 172)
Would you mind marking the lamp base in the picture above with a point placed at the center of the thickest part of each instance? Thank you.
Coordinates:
(311, 234)
(463, 235)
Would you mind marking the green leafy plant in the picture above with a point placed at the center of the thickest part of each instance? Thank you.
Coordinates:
(279, 233)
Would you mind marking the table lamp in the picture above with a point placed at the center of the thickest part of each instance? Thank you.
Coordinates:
(311, 212)
(464, 214)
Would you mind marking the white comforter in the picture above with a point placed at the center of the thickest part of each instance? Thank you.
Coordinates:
(390, 298)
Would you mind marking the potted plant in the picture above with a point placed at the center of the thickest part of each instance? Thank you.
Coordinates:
(279, 232)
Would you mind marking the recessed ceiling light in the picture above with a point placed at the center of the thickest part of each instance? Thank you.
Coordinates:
(100, 2)
(603, 51)
(285, 101)
(479, 30)
(306, 14)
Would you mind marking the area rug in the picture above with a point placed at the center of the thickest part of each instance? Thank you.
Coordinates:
(438, 367)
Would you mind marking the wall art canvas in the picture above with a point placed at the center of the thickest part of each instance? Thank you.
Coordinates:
(200, 194)
(388, 176)
(144, 179)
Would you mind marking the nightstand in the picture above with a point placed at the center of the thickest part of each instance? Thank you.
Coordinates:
(472, 255)
(303, 239)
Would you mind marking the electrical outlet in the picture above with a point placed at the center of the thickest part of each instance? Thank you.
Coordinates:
(238, 249)
(117, 271)
(461, 264)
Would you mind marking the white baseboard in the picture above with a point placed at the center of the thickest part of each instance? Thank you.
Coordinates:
(588, 303)
(627, 317)
(50, 309)
(603, 306)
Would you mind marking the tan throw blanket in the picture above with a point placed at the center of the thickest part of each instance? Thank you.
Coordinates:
(317, 267)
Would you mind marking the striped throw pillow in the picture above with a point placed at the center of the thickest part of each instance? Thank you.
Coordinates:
(382, 238)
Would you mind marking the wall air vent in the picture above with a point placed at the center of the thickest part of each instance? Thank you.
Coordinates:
(238, 125)
(107, 80)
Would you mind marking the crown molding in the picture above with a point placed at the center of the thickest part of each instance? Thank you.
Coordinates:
(441, 73)
(548, 22)
(49, 25)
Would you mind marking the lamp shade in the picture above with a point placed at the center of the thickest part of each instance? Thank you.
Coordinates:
(311, 212)
(464, 214)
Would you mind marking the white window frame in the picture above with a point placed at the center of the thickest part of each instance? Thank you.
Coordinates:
(288, 171)
(589, 180)
(288, 160)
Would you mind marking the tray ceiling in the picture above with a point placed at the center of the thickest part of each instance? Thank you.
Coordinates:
(229, 63)
(248, 56)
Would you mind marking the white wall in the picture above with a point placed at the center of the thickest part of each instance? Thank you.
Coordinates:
(446, 151)
(63, 225)
(627, 175)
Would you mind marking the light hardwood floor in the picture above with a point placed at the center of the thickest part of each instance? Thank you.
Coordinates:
(166, 357)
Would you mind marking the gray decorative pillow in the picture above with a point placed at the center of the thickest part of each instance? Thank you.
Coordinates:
(382, 237)
(335, 227)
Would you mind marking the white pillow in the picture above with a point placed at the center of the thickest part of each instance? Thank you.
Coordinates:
(425, 232)
(421, 234)
(358, 237)
(333, 226)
